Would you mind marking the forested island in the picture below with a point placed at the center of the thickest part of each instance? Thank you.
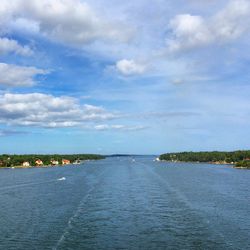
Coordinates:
(240, 158)
(45, 160)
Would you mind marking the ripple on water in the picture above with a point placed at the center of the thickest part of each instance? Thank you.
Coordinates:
(120, 204)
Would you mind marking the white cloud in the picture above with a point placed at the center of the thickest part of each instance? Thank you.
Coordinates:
(118, 127)
(17, 76)
(233, 21)
(71, 22)
(191, 31)
(130, 67)
(101, 127)
(41, 110)
(12, 46)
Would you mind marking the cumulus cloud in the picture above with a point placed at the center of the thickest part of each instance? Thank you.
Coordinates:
(12, 46)
(17, 76)
(192, 31)
(130, 67)
(70, 22)
(41, 110)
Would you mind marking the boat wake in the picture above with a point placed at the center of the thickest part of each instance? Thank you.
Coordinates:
(77, 212)
(25, 185)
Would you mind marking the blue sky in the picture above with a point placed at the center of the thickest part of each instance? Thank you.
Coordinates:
(124, 76)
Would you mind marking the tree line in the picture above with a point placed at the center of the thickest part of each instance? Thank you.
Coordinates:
(235, 157)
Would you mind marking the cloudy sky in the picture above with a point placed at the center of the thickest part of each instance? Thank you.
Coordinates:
(81, 76)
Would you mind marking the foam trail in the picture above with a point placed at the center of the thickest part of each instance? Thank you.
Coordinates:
(69, 223)
(25, 185)
(182, 199)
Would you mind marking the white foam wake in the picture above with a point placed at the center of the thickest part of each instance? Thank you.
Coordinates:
(77, 212)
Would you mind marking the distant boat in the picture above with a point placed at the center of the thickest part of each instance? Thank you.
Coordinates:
(61, 179)
(133, 160)
(157, 159)
(77, 162)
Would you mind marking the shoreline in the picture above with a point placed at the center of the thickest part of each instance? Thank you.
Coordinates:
(198, 162)
(51, 166)
(44, 166)
(233, 165)
(241, 167)
(238, 158)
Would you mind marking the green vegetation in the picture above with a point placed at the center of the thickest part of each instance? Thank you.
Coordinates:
(17, 160)
(243, 164)
(240, 158)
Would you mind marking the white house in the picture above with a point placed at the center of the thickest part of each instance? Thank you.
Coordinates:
(26, 164)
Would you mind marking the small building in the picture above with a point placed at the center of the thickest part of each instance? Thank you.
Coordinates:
(38, 162)
(26, 164)
(65, 161)
(54, 162)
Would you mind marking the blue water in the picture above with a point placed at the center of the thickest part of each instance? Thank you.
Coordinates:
(118, 203)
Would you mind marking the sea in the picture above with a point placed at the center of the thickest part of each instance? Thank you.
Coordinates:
(125, 203)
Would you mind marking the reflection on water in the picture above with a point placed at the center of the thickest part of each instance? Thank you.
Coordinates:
(125, 203)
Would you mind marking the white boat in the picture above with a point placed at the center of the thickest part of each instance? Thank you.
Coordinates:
(61, 179)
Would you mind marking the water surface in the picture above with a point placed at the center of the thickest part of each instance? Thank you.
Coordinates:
(121, 203)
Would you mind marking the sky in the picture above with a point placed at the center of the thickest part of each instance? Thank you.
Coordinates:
(141, 77)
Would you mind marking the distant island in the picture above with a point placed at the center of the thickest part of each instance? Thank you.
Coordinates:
(240, 158)
(42, 160)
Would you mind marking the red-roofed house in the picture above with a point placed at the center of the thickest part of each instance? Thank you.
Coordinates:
(65, 161)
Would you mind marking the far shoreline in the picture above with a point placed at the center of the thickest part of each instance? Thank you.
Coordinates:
(239, 159)
(45, 160)
(198, 162)
(50, 166)
(44, 166)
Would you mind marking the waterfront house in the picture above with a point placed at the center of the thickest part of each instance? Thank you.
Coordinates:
(54, 162)
(26, 164)
(38, 162)
(65, 161)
